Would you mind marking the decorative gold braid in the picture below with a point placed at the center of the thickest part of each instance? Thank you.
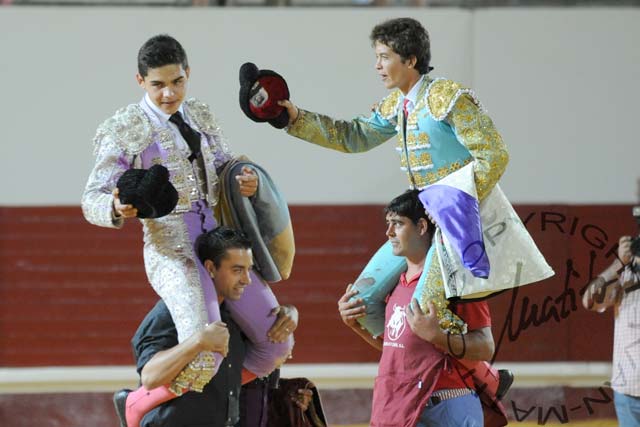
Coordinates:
(477, 132)
(195, 375)
(434, 292)
(442, 93)
(389, 105)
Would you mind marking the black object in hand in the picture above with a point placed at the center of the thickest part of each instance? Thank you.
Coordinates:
(149, 191)
(260, 91)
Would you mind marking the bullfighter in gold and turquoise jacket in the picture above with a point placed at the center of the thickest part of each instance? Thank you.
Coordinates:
(446, 129)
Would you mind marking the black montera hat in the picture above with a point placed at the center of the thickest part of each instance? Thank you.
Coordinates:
(149, 191)
(260, 91)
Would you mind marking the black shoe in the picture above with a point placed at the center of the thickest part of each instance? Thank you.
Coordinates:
(120, 403)
(504, 383)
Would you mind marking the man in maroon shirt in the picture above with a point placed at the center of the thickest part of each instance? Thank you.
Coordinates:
(420, 380)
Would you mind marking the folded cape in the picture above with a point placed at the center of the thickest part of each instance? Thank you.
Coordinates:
(264, 218)
(453, 204)
(514, 256)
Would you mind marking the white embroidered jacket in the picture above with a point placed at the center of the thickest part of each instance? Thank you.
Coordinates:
(133, 137)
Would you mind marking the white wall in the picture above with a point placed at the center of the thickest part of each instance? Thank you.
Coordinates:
(558, 83)
(562, 85)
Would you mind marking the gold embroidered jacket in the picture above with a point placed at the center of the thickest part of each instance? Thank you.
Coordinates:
(447, 129)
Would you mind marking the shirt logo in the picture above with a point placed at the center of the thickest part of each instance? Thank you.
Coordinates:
(396, 324)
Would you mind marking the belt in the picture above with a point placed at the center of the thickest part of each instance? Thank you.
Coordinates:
(446, 394)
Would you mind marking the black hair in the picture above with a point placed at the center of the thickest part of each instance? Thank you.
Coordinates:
(213, 245)
(159, 51)
(406, 37)
(409, 205)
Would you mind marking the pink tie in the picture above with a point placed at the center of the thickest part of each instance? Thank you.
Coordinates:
(404, 107)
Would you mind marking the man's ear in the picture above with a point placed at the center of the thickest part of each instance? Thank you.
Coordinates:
(187, 72)
(140, 80)
(210, 267)
(412, 61)
(423, 226)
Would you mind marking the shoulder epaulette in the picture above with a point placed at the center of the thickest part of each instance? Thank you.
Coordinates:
(130, 129)
(388, 107)
(442, 95)
(202, 115)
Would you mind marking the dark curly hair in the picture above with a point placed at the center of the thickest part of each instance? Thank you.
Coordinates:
(159, 51)
(407, 37)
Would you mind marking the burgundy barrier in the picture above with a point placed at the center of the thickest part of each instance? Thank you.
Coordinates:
(73, 294)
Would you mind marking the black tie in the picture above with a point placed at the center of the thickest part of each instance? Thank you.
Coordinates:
(191, 136)
(405, 114)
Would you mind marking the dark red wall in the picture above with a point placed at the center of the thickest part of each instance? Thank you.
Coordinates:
(72, 293)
